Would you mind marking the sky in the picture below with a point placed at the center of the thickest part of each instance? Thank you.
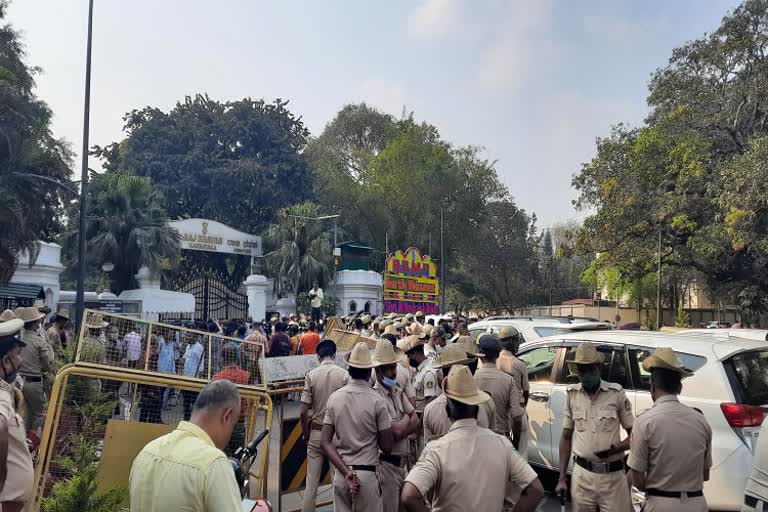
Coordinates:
(532, 82)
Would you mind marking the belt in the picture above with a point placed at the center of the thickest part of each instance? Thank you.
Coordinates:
(673, 494)
(29, 378)
(316, 426)
(751, 501)
(363, 468)
(599, 467)
(395, 460)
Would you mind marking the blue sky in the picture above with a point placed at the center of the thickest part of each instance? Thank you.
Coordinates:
(532, 82)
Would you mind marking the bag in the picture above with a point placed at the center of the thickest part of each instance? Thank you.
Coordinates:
(282, 349)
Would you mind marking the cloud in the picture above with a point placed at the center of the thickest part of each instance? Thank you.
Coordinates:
(386, 96)
(433, 19)
(620, 30)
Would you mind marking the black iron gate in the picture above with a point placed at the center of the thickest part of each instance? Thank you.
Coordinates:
(215, 297)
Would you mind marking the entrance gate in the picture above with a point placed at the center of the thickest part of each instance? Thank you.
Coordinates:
(216, 297)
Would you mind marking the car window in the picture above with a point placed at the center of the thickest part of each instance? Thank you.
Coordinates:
(613, 369)
(539, 362)
(643, 377)
(750, 371)
(549, 331)
(476, 332)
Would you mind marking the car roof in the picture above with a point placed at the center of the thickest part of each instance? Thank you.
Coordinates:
(750, 334)
(722, 346)
(541, 320)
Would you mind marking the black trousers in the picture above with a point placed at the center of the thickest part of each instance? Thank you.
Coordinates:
(317, 314)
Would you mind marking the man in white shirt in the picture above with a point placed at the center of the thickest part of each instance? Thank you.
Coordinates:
(194, 366)
(132, 344)
(316, 302)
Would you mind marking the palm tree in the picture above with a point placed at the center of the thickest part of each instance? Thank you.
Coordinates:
(127, 226)
(301, 251)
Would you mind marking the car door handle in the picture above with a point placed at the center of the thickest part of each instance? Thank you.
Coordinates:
(539, 397)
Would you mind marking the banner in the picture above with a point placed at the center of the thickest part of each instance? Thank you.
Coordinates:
(212, 236)
(411, 283)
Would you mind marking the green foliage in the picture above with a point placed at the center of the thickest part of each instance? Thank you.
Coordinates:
(79, 493)
(30, 204)
(329, 307)
(235, 162)
(682, 318)
(127, 225)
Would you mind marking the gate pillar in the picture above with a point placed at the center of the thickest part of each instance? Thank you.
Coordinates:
(256, 289)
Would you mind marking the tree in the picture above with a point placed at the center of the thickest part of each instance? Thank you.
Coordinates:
(127, 225)
(300, 251)
(31, 159)
(235, 162)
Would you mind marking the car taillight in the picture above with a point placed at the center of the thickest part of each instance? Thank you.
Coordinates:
(740, 415)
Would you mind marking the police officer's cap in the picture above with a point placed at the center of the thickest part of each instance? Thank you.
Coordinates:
(326, 344)
(489, 344)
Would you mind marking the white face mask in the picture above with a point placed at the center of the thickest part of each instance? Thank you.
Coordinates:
(439, 348)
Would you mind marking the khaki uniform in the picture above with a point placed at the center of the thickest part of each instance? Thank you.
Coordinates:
(391, 475)
(358, 413)
(508, 363)
(404, 381)
(319, 385)
(672, 445)
(757, 484)
(482, 482)
(425, 384)
(36, 361)
(54, 339)
(505, 394)
(20, 473)
(437, 423)
(596, 426)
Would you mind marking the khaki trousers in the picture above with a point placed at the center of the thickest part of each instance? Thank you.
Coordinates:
(392, 479)
(523, 450)
(659, 504)
(315, 459)
(367, 500)
(593, 492)
(34, 399)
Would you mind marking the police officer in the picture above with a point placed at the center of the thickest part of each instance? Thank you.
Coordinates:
(36, 361)
(469, 468)
(357, 415)
(425, 380)
(403, 368)
(436, 421)
(502, 388)
(595, 411)
(366, 332)
(319, 385)
(16, 462)
(671, 451)
(510, 339)
(391, 470)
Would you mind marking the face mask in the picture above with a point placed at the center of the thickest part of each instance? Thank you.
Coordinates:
(590, 382)
(388, 382)
(439, 348)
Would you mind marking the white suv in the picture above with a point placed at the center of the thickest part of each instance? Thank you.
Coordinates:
(729, 386)
(536, 327)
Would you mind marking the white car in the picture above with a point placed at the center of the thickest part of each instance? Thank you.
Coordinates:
(536, 327)
(729, 386)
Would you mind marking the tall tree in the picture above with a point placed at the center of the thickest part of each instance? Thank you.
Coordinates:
(235, 162)
(31, 159)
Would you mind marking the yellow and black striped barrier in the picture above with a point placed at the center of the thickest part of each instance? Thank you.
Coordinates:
(293, 458)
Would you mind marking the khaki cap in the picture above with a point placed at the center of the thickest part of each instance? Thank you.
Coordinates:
(416, 330)
(459, 385)
(391, 329)
(359, 356)
(452, 354)
(587, 354)
(29, 314)
(469, 346)
(392, 316)
(385, 354)
(6, 315)
(10, 327)
(399, 325)
(665, 358)
(508, 332)
(428, 329)
(95, 321)
(419, 314)
(409, 343)
(63, 313)
(409, 317)
(366, 319)
(384, 324)
(43, 309)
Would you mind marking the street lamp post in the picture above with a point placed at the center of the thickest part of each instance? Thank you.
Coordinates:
(80, 297)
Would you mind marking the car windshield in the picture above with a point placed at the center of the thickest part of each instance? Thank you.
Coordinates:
(750, 373)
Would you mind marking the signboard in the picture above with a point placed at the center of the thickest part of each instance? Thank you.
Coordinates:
(411, 283)
(293, 458)
(294, 367)
(212, 236)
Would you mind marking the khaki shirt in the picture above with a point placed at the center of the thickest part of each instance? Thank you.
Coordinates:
(757, 484)
(37, 356)
(437, 423)
(508, 363)
(596, 423)
(54, 338)
(398, 406)
(358, 413)
(404, 381)
(20, 472)
(425, 384)
(319, 385)
(505, 394)
(671, 444)
(469, 469)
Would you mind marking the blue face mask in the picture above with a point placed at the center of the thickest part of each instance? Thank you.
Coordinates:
(388, 382)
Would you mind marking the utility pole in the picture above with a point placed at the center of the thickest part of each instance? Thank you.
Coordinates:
(442, 267)
(80, 295)
(658, 287)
